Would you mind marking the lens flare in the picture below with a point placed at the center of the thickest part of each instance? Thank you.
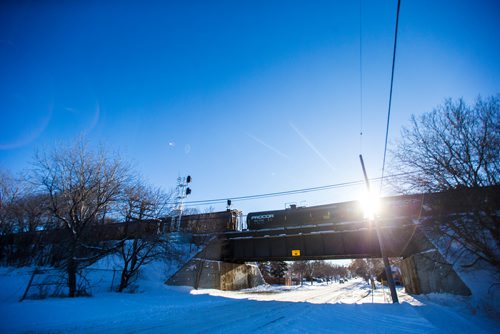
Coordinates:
(370, 204)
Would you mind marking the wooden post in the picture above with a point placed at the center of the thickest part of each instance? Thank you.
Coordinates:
(29, 285)
(112, 280)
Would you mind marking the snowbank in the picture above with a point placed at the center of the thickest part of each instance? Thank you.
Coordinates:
(334, 308)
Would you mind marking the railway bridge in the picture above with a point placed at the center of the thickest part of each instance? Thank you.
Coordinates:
(338, 231)
(408, 227)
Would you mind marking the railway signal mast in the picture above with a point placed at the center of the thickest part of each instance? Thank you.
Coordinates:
(183, 191)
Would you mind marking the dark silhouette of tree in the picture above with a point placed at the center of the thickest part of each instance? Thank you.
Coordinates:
(453, 147)
(9, 195)
(82, 188)
(278, 269)
(143, 205)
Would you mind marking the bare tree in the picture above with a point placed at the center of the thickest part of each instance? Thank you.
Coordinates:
(23, 215)
(306, 269)
(31, 212)
(21, 208)
(9, 194)
(325, 270)
(359, 267)
(454, 147)
(143, 206)
(82, 187)
(299, 268)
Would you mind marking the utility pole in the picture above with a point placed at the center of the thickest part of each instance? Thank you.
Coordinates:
(387, 266)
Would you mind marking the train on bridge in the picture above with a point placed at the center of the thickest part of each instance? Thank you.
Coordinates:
(390, 208)
(337, 213)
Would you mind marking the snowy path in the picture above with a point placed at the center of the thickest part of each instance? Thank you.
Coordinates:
(336, 308)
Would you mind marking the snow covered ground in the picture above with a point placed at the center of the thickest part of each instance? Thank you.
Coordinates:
(156, 308)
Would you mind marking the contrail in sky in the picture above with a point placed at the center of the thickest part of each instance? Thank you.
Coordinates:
(311, 146)
(269, 146)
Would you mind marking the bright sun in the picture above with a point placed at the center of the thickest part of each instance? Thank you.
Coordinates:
(370, 204)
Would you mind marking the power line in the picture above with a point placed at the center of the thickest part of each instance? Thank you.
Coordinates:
(390, 94)
(275, 194)
(289, 192)
(360, 77)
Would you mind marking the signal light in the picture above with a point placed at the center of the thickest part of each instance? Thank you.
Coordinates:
(188, 179)
(188, 191)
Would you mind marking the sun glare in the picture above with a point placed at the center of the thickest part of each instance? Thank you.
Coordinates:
(370, 204)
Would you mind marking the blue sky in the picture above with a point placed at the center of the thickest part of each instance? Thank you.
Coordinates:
(248, 97)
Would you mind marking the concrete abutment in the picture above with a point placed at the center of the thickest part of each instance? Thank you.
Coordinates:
(428, 272)
(207, 271)
(209, 274)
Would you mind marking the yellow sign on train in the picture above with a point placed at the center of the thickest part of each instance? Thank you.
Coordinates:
(295, 252)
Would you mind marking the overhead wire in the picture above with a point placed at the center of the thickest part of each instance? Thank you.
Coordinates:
(390, 95)
(360, 77)
(275, 194)
(288, 192)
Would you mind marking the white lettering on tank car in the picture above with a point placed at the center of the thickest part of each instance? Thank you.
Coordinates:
(261, 217)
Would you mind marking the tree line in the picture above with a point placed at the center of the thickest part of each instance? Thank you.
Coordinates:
(275, 272)
(455, 146)
(71, 189)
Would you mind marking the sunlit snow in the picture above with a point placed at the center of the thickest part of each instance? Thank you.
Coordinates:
(156, 308)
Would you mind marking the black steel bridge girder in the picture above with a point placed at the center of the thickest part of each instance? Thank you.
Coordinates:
(345, 245)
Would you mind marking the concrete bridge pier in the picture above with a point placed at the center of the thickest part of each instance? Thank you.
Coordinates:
(429, 272)
(207, 271)
(208, 274)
